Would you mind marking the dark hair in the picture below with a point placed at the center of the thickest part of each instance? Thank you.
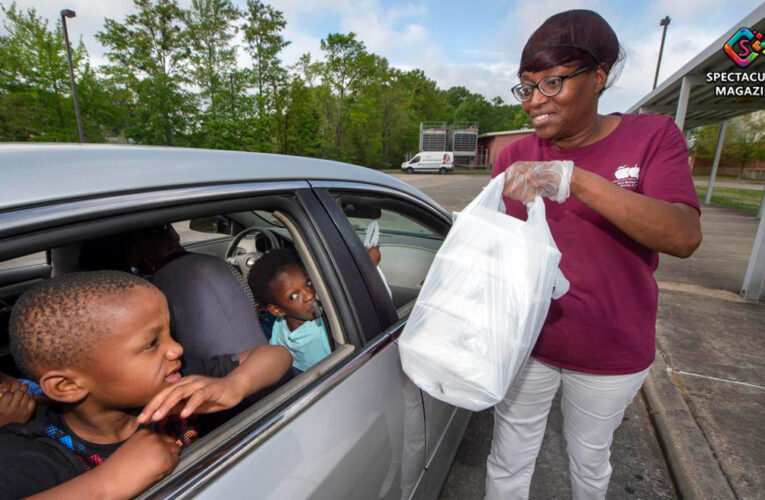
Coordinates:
(265, 270)
(53, 324)
(108, 252)
(573, 35)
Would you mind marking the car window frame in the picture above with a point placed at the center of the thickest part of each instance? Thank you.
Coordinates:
(239, 436)
(400, 202)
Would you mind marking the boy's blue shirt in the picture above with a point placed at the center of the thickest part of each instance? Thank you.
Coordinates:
(308, 343)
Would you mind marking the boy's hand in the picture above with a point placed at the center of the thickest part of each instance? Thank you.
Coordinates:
(201, 394)
(10, 384)
(145, 458)
(374, 254)
(258, 368)
(15, 404)
(142, 460)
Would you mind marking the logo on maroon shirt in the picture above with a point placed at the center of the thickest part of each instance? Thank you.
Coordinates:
(626, 176)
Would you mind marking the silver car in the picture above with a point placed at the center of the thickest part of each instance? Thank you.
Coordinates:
(352, 426)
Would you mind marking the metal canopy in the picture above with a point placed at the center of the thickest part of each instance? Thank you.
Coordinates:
(690, 97)
(703, 107)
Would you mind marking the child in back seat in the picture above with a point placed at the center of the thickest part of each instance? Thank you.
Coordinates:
(282, 287)
(99, 345)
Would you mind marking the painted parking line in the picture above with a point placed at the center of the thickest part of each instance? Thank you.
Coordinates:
(717, 379)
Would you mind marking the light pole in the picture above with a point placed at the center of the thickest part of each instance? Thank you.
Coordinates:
(64, 14)
(664, 22)
(231, 81)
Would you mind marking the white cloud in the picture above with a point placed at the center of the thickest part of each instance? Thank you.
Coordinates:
(525, 17)
(405, 35)
(682, 44)
(490, 80)
(89, 20)
(683, 9)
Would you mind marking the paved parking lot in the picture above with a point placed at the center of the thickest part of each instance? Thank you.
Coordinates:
(640, 470)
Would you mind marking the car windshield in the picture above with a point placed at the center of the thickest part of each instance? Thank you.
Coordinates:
(268, 218)
(393, 224)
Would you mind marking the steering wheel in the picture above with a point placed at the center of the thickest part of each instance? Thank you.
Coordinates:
(245, 261)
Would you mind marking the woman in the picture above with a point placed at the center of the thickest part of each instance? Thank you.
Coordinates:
(625, 193)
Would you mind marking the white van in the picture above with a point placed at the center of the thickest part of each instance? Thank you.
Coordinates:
(430, 161)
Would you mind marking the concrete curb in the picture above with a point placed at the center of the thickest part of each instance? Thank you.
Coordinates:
(690, 459)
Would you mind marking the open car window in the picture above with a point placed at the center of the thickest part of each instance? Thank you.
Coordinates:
(207, 245)
(407, 243)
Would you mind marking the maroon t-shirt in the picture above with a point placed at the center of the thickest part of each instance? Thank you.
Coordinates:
(605, 324)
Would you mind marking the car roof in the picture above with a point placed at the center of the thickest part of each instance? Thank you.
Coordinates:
(35, 174)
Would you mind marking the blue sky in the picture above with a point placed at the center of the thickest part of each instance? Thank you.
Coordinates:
(476, 44)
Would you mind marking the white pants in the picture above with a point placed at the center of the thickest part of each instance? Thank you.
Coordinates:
(592, 406)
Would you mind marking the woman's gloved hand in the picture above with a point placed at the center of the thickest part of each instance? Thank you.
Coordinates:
(525, 180)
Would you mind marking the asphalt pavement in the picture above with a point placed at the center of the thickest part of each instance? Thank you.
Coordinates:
(697, 429)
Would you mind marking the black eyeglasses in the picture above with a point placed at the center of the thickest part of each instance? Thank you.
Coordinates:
(549, 86)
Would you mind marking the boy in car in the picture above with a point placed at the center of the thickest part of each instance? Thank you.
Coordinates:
(282, 287)
(99, 345)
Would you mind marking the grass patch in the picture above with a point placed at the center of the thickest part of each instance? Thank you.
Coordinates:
(741, 199)
(728, 178)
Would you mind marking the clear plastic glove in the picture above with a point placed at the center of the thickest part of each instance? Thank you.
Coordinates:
(525, 180)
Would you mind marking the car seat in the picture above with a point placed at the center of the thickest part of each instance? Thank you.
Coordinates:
(212, 308)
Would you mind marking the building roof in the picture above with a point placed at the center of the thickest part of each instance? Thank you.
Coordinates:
(32, 174)
(704, 107)
(507, 132)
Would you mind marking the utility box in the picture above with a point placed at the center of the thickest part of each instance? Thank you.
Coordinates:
(433, 136)
(459, 137)
(464, 138)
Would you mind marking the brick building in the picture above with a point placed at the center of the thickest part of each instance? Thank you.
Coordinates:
(490, 144)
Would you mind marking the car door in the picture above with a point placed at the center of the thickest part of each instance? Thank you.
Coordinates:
(411, 232)
(353, 429)
(415, 162)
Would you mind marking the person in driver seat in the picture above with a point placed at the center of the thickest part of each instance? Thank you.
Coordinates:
(282, 287)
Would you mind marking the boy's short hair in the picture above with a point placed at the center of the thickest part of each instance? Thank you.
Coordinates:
(53, 323)
(265, 270)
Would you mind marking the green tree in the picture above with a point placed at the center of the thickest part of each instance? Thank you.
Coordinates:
(410, 99)
(456, 95)
(149, 55)
(347, 64)
(300, 126)
(475, 108)
(212, 59)
(744, 141)
(746, 137)
(262, 30)
(35, 94)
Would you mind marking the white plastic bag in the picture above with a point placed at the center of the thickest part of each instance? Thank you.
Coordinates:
(483, 303)
(372, 235)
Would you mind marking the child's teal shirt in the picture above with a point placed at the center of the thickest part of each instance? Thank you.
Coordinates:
(308, 343)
